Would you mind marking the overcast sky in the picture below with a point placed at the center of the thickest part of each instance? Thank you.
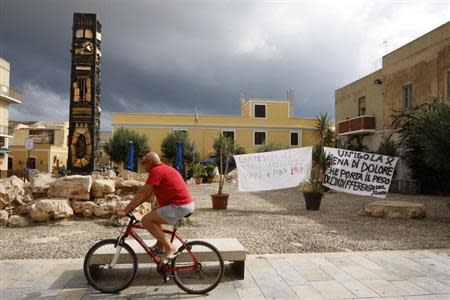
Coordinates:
(172, 56)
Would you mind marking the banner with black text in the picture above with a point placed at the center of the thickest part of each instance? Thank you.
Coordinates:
(359, 173)
(273, 170)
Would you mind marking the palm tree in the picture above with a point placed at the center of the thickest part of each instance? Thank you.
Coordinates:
(321, 161)
(323, 127)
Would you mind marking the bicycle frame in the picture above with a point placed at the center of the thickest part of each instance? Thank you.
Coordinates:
(135, 224)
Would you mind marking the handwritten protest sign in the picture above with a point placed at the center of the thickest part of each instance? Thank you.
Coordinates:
(273, 170)
(359, 172)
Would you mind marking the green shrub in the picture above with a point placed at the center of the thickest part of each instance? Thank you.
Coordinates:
(169, 146)
(425, 132)
(117, 146)
(271, 146)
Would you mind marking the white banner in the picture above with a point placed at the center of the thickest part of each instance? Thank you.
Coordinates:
(273, 170)
(359, 173)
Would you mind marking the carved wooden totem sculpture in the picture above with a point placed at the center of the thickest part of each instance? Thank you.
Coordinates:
(84, 137)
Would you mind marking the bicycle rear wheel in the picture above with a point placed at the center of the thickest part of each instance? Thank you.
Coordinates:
(200, 277)
(104, 276)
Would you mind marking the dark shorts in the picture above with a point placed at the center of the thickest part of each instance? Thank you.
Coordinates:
(172, 213)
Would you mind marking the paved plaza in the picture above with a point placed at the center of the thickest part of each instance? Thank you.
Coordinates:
(409, 274)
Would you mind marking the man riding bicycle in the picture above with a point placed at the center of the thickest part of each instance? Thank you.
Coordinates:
(173, 197)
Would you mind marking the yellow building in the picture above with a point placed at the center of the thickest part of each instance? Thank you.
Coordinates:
(409, 76)
(7, 96)
(261, 121)
(50, 145)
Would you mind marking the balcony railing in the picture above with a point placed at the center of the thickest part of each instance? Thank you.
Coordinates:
(357, 125)
(4, 90)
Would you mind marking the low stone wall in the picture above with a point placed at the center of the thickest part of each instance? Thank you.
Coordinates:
(47, 197)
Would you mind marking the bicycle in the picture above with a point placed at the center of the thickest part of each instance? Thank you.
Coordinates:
(110, 265)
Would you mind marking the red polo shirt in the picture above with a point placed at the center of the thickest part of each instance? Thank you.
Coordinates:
(168, 186)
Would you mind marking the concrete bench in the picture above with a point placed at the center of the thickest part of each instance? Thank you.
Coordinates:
(230, 249)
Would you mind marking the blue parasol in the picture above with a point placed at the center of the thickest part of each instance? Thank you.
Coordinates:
(130, 157)
(179, 158)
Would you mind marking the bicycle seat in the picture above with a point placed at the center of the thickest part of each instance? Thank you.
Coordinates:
(179, 221)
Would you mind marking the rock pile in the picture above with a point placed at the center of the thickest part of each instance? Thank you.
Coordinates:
(47, 197)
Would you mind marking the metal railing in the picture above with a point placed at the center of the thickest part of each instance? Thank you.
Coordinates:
(4, 90)
(359, 123)
(405, 186)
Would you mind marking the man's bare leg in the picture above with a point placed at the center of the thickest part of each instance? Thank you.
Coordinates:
(153, 223)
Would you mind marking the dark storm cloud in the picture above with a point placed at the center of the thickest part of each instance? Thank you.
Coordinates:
(173, 56)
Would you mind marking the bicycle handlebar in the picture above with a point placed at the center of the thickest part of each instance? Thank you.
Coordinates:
(131, 216)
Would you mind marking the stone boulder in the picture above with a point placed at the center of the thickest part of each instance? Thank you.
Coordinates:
(127, 187)
(142, 210)
(84, 208)
(22, 210)
(4, 217)
(129, 175)
(109, 174)
(18, 221)
(40, 183)
(12, 191)
(105, 206)
(73, 187)
(104, 175)
(393, 209)
(232, 176)
(44, 209)
(102, 187)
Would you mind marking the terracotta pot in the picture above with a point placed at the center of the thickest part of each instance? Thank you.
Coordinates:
(198, 180)
(210, 179)
(219, 201)
(312, 200)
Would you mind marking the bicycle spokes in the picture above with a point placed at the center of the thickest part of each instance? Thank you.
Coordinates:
(202, 274)
(109, 268)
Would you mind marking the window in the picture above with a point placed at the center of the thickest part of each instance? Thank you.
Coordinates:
(407, 96)
(10, 163)
(362, 106)
(31, 163)
(229, 134)
(260, 111)
(294, 138)
(259, 138)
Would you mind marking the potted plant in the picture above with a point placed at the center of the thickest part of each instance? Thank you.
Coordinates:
(199, 172)
(209, 171)
(224, 147)
(313, 189)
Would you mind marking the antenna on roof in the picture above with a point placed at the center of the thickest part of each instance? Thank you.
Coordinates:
(290, 96)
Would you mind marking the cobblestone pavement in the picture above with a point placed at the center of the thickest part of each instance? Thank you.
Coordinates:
(410, 274)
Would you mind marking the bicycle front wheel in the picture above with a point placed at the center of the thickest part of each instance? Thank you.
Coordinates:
(198, 277)
(106, 275)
